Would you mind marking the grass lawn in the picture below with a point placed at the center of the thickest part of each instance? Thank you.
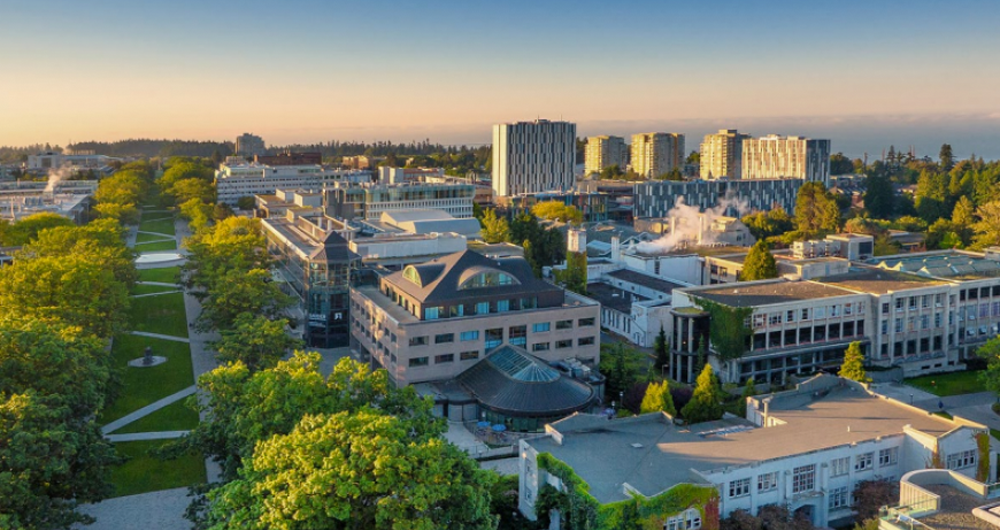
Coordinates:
(174, 417)
(163, 225)
(142, 386)
(142, 473)
(143, 237)
(951, 384)
(160, 314)
(157, 246)
(151, 289)
(164, 275)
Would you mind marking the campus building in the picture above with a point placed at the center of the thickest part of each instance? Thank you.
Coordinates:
(237, 178)
(604, 151)
(806, 448)
(250, 145)
(721, 155)
(654, 154)
(370, 201)
(776, 157)
(657, 198)
(529, 157)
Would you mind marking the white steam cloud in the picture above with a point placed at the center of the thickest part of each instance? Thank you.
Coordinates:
(57, 175)
(691, 226)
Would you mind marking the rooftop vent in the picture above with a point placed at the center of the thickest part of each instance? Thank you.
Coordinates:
(636, 446)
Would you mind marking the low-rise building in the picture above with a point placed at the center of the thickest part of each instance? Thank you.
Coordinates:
(237, 178)
(657, 198)
(370, 201)
(401, 175)
(305, 202)
(634, 305)
(395, 250)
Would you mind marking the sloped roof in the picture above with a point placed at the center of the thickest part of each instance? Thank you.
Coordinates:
(440, 278)
(513, 382)
(334, 249)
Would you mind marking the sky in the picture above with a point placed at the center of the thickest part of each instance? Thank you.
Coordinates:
(866, 74)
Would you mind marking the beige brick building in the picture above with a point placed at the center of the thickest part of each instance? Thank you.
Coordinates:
(654, 154)
(605, 151)
(722, 155)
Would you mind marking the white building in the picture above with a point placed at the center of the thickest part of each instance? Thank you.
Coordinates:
(634, 305)
(237, 178)
(654, 154)
(775, 157)
(530, 157)
(72, 162)
(400, 175)
(394, 250)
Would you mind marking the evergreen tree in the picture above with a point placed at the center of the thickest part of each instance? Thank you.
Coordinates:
(658, 399)
(705, 402)
(660, 347)
(879, 196)
(946, 158)
(495, 229)
(750, 389)
(854, 364)
(759, 263)
(816, 210)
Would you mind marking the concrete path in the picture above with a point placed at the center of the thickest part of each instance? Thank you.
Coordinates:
(159, 510)
(138, 436)
(155, 294)
(161, 284)
(465, 440)
(505, 466)
(161, 234)
(148, 409)
(159, 336)
(905, 393)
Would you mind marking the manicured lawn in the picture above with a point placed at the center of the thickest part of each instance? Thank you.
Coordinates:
(951, 384)
(174, 417)
(143, 473)
(142, 386)
(164, 275)
(160, 314)
(157, 246)
(162, 225)
(143, 237)
(151, 289)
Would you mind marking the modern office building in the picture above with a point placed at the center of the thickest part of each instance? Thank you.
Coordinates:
(807, 449)
(314, 263)
(604, 151)
(250, 145)
(657, 198)
(403, 175)
(237, 178)
(654, 154)
(722, 155)
(529, 157)
(776, 157)
(370, 201)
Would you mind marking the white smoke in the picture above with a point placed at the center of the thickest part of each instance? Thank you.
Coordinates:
(57, 175)
(690, 226)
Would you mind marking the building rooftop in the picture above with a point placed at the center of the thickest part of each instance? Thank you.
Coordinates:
(879, 281)
(947, 264)
(644, 280)
(613, 297)
(769, 292)
(604, 452)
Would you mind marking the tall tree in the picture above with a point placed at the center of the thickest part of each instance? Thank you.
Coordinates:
(256, 341)
(759, 263)
(990, 352)
(853, 367)
(240, 292)
(28, 228)
(946, 158)
(816, 210)
(662, 350)
(840, 164)
(879, 196)
(557, 211)
(705, 404)
(495, 229)
(987, 228)
(658, 399)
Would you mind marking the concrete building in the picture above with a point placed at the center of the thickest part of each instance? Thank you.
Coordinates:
(657, 198)
(430, 221)
(360, 161)
(236, 178)
(722, 155)
(806, 448)
(370, 201)
(654, 154)
(304, 202)
(776, 157)
(529, 157)
(634, 305)
(250, 145)
(70, 199)
(314, 263)
(392, 251)
(605, 151)
(402, 175)
(73, 163)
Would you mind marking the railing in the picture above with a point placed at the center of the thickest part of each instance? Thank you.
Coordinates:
(899, 517)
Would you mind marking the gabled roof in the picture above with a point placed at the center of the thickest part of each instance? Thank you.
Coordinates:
(441, 278)
(334, 250)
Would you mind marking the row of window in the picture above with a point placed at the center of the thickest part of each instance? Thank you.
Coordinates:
(804, 477)
(800, 315)
(517, 335)
(441, 359)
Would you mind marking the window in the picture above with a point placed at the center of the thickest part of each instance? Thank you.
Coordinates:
(432, 313)
(585, 322)
(444, 338)
(888, 457)
(863, 462)
(758, 321)
(885, 327)
(564, 324)
(739, 488)
(838, 497)
(418, 361)
(848, 309)
(899, 304)
(540, 327)
(541, 346)
(518, 335)
(445, 358)
(804, 478)
(913, 303)
(835, 311)
(805, 314)
(840, 466)
(482, 308)
(418, 341)
(488, 279)
(819, 312)
(961, 460)
(925, 321)
(468, 355)
(767, 481)
(503, 306)
(560, 344)
(585, 341)
(937, 320)
(466, 336)
(494, 337)
(925, 301)
(938, 299)
(790, 315)
(885, 308)
(898, 326)
(688, 520)
(774, 319)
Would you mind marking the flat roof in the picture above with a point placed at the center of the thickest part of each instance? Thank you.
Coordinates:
(601, 452)
(752, 294)
(644, 280)
(613, 297)
(879, 281)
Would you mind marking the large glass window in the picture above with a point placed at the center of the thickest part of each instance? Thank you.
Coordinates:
(838, 497)
(541, 327)
(804, 478)
(840, 466)
(445, 358)
(488, 279)
(767, 481)
(518, 335)
(418, 341)
(468, 355)
(503, 306)
(444, 338)
(863, 462)
(494, 337)
(482, 308)
(564, 324)
(418, 361)
(469, 335)
(739, 487)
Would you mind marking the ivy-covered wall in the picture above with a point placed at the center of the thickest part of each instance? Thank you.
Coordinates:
(579, 510)
(728, 331)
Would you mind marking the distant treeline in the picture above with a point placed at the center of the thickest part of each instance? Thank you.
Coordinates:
(161, 148)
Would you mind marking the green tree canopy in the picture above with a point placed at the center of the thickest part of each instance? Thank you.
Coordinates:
(255, 341)
(987, 228)
(495, 229)
(706, 402)
(759, 263)
(27, 229)
(816, 210)
(239, 292)
(658, 399)
(557, 211)
(879, 196)
(853, 367)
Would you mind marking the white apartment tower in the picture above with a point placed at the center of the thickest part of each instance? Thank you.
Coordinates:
(722, 155)
(604, 151)
(775, 156)
(654, 154)
(531, 157)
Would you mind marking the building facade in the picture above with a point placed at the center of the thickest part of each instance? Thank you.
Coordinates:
(776, 157)
(721, 155)
(604, 151)
(250, 145)
(401, 175)
(236, 179)
(654, 154)
(657, 198)
(370, 201)
(530, 157)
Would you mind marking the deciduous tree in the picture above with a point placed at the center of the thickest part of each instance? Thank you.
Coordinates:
(495, 229)
(256, 341)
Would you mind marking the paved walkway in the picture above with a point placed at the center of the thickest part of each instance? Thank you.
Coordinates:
(161, 234)
(504, 466)
(148, 409)
(159, 510)
(161, 284)
(159, 336)
(465, 440)
(138, 436)
(155, 294)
